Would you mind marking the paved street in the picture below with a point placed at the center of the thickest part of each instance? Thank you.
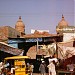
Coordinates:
(38, 73)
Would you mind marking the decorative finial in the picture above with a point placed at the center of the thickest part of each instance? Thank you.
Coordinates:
(62, 16)
(19, 17)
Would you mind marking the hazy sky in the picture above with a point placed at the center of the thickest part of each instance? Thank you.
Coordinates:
(36, 14)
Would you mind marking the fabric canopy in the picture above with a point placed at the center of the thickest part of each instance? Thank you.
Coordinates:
(65, 52)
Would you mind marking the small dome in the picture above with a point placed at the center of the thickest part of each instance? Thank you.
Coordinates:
(62, 23)
(20, 26)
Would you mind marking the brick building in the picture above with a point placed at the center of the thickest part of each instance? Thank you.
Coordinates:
(8, 32)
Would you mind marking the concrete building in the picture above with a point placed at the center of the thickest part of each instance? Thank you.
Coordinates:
(66, 30)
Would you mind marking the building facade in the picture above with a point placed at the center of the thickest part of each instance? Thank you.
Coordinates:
(66, 30)
(8, 32)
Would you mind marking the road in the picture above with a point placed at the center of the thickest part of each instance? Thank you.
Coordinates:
(38, 73)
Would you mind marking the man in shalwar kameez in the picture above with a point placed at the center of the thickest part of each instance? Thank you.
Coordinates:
(51, 66)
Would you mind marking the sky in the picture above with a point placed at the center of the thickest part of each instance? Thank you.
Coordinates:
(37, 14)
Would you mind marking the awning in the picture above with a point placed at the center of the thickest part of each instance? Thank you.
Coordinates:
(9, 49)
(17, 57)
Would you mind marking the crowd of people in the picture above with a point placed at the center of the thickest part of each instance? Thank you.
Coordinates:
(51, 66)
(3, 68)
(54, 66)
(30, 67)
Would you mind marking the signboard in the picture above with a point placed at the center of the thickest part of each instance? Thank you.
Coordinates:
(33, 30)
(19, 62)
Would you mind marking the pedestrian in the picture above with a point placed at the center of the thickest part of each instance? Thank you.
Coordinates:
(70, 66)
(31, 68)
(42, 68)
(1, 63)
(12, 69)
(51, 66)
(1, 67)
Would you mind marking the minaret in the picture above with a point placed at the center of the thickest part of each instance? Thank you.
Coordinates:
(20, 26)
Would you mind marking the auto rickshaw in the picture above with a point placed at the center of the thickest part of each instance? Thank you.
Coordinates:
(19, 64)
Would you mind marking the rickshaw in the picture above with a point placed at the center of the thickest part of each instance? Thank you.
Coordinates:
(20, 63)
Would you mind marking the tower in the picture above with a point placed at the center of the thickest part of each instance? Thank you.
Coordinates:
(20, 26)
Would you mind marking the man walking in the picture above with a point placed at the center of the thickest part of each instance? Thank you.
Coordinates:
(42, 68)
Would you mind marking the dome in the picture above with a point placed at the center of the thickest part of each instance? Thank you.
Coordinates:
(62, 23)
(20, 26)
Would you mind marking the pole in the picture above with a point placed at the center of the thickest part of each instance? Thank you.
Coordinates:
(37, 46)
